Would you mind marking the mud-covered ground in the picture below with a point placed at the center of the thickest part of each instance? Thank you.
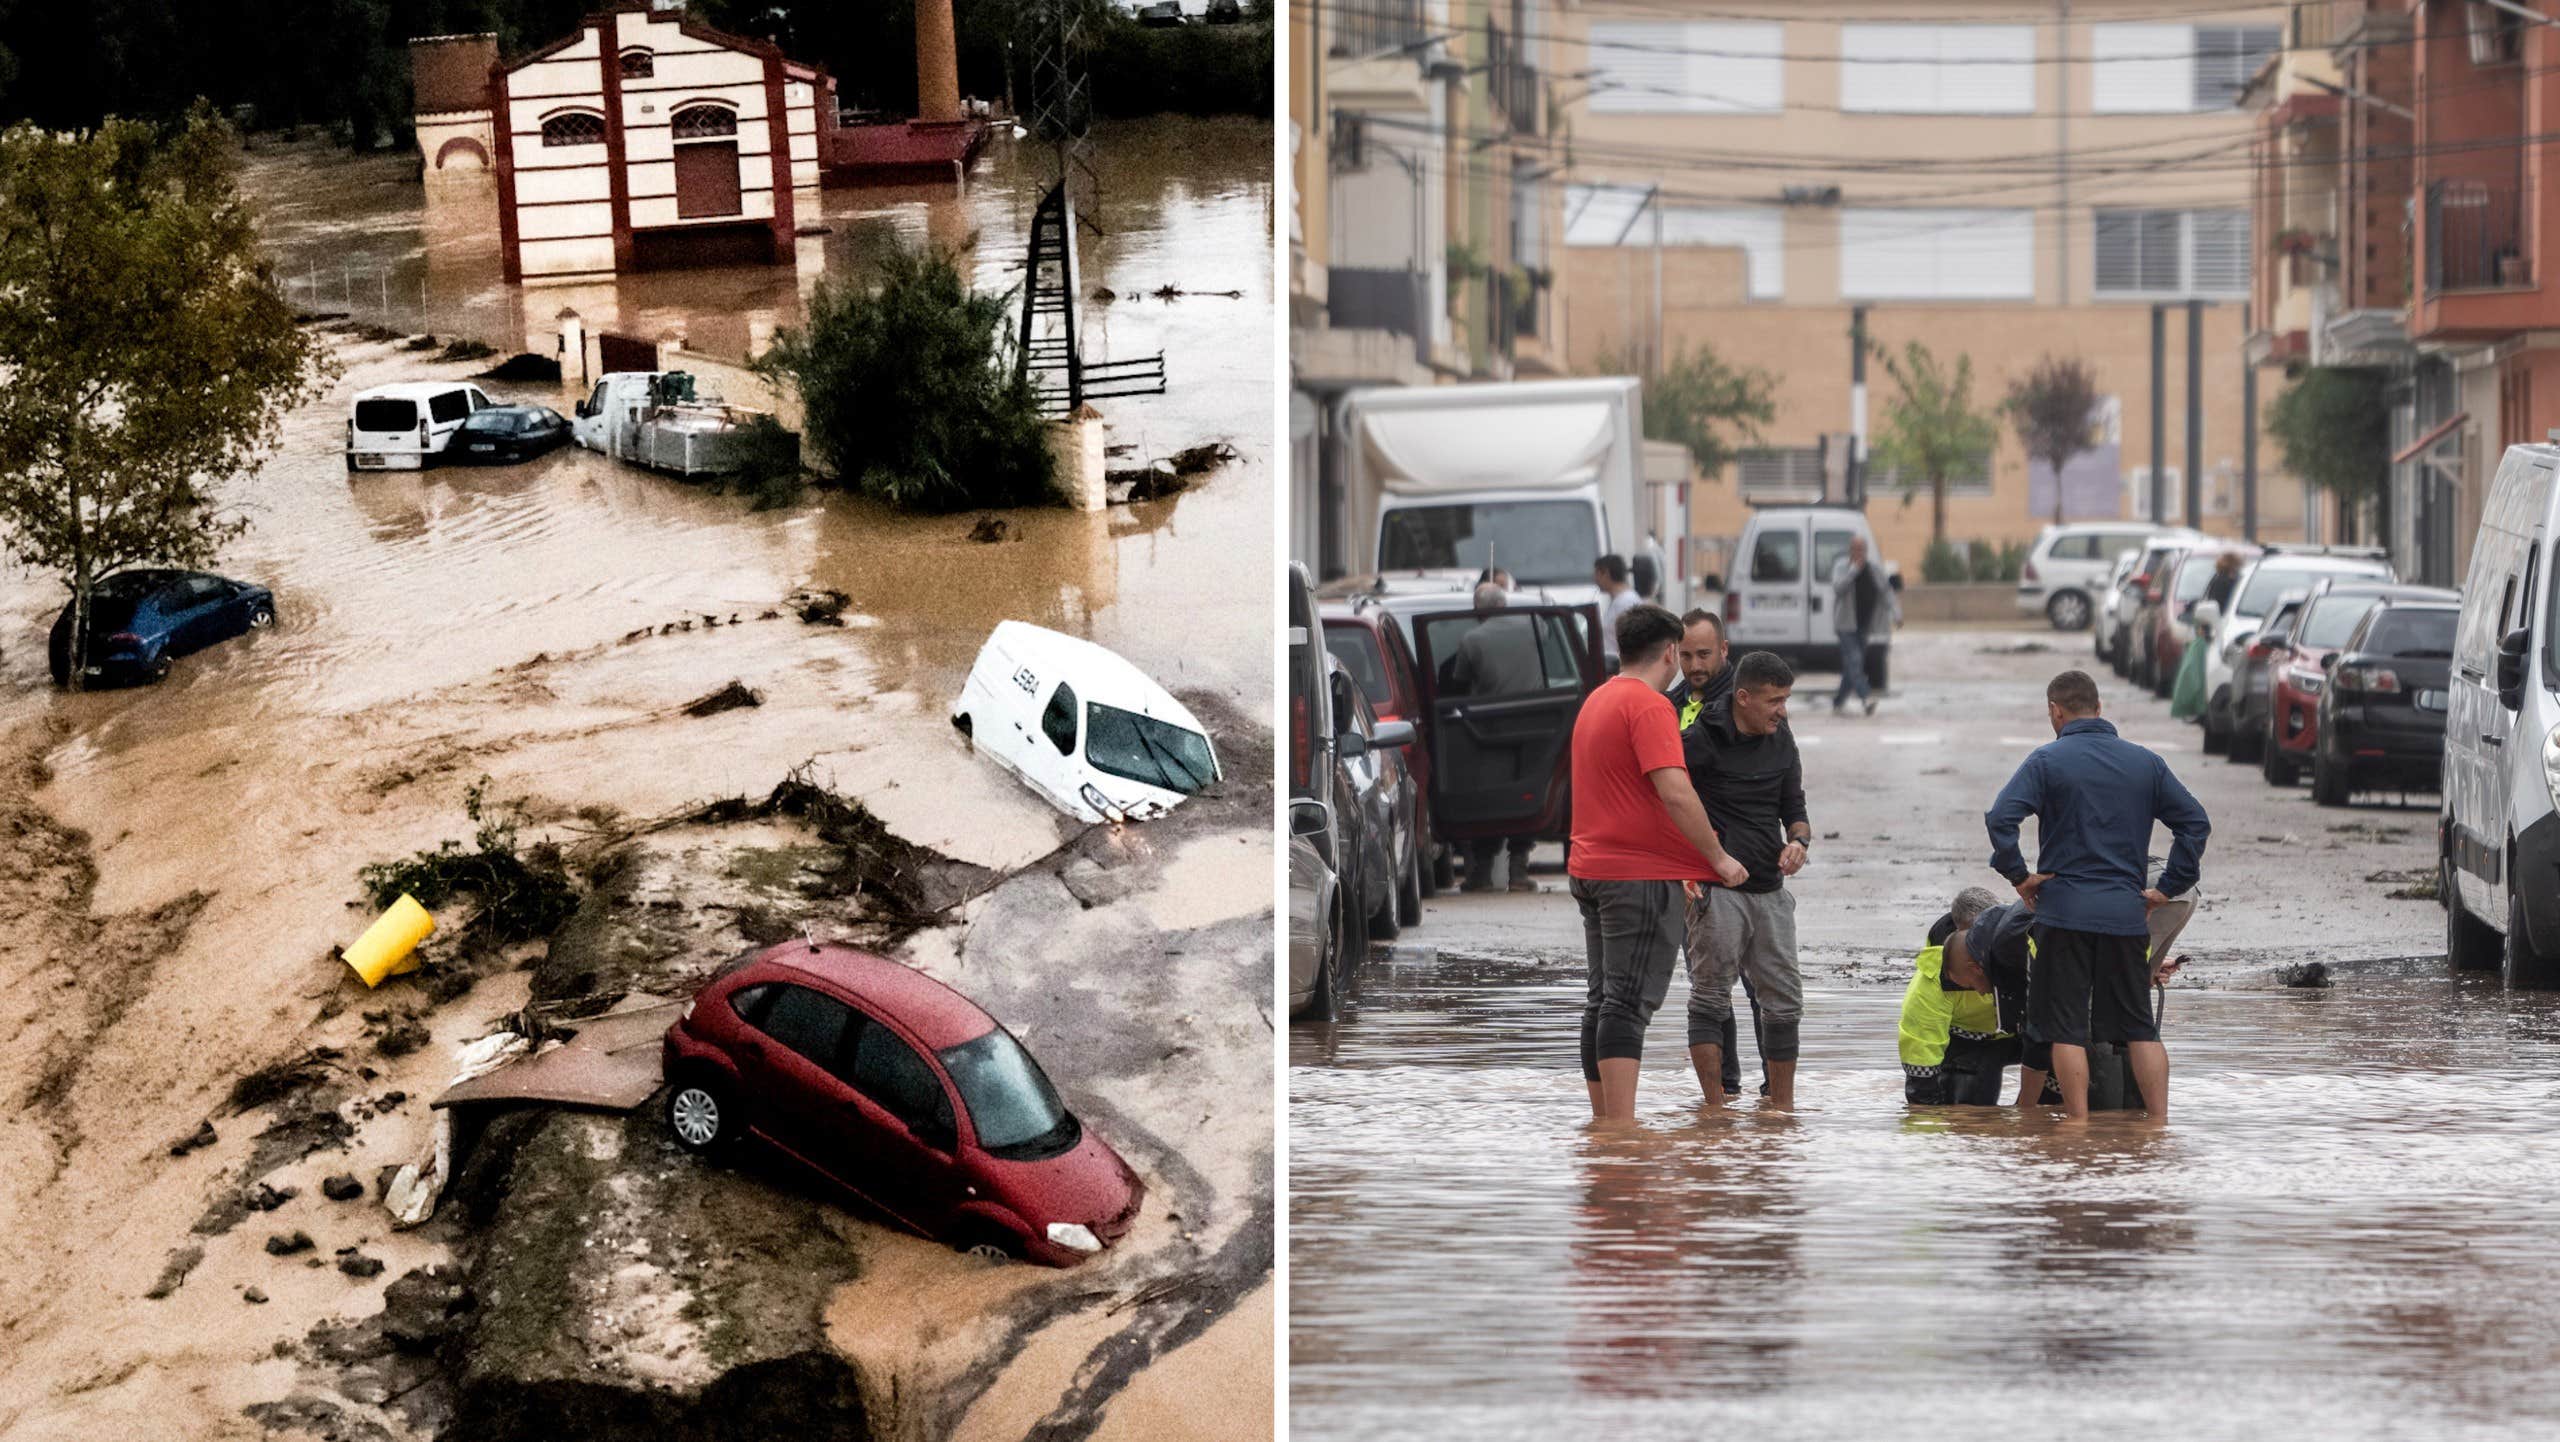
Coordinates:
(2337, 1234)
(176, 864)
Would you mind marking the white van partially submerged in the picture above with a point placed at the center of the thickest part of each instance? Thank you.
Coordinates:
(399, 426)
(2500, 831)
(1085, 729)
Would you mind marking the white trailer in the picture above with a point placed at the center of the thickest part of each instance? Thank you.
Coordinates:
(656, 419)
(1541, 478)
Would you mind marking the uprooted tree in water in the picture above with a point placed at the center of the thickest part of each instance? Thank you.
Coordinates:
(909, 395)
(144, 345)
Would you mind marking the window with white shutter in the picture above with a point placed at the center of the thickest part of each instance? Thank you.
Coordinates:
(1938, 69)
(1610, 215)
(1647, 68)
(2142, 69)
(2172, 253)
(1937, 254)
(2226, 56)
(1793, 471)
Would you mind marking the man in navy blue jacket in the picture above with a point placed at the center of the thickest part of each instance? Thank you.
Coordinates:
(2095, 796)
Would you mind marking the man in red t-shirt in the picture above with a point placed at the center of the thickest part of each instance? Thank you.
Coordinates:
(1639, 831)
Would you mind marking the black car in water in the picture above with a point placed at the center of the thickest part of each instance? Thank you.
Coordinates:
(497, 434)
(141, 620)
(2382, 713)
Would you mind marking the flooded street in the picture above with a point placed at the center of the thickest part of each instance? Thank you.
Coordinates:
(183, 857)
(2338, 1234)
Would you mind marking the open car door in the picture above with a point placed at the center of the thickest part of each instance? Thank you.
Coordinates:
(1502, 689)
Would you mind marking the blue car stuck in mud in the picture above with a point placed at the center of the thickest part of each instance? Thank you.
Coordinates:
(141, 620)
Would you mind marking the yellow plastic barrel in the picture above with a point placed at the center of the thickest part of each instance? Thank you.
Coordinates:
(388, 947)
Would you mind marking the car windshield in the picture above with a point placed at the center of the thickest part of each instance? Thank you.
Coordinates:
(1541, 543)
(2333, 619)
(1142, 748)
(2194, 576)
(1356, 646)
(386, 414)
(1016, 1112)
(2266, 583)
(2416, 633)
(497, 422)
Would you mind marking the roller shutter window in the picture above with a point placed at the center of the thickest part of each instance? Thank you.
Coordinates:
(2142, 69)
(2226, 56)
(1658, 68)
(2172, 253)
(1937, 254)
(1938, 69)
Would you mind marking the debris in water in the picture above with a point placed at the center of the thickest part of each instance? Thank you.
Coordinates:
(989, 530)
(419, 342)
(523, 367)
(1169, 476)
(286, 1245)
(1175, 292)
(357, 1264)
(402, 1037)
(278, 1080)
(174, 1274)
(465, 349)
(203, 1136)
(819, 607)
(342, 1188)
(2309, 974)
(733, 697)
(253, 1296)
(2013, 648)
(1105, 294)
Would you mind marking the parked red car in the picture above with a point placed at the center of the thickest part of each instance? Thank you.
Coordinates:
(900, 1090)
(1372, 647)
(2301, 667)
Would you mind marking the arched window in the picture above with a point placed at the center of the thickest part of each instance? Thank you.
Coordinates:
(706, 122)
(573, 127)
(638, 64)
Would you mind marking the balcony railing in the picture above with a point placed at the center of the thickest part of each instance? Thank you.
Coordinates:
(1396, 301)
(1511, 82)
(1369, 27)
(2475, 237)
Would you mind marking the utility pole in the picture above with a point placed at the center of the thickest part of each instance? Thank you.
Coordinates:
(2159, 414)
(2195, 414)
(1655, 200)
(2248, 439)
(1857, 487)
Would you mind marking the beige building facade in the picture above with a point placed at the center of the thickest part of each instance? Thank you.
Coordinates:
(2001, 183)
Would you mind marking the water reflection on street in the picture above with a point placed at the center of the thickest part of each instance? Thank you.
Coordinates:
(2343, 1232)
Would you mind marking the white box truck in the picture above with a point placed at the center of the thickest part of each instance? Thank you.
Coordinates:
(1541, 478)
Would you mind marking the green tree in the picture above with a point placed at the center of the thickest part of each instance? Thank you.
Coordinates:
(2333, 431)
(1714, 409)
(911, 395)
(2050, 407)
(1932, 429)
(146, 345)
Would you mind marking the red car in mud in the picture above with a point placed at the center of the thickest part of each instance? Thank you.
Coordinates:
(900, 1090)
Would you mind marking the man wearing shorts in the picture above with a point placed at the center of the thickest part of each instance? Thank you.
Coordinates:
(1744, 764)
(2095, 797)
(1639, 831)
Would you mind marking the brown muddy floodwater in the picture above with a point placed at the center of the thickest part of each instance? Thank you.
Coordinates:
(2344, 1232)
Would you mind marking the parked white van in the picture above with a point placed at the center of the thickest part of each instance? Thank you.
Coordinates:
(2499, 835)
(1778, 599)
(2067, 570)
(1085, 729)
(397, 427)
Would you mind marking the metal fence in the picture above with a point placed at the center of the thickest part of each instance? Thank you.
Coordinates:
(396, 293)
(2475, 236)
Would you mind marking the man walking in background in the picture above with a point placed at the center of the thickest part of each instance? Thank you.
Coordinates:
(1744, 764)
(1862, 606)
(1704, 677)
(1617, 597)
(2095, 796)
(1639, 831)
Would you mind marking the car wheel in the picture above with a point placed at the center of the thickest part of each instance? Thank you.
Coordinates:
(700, 1114)
(2468, 943)
(2067, 610)
(1409, 889)
(2247, 747)
(2528, 967)
(2215, 742)
(261, 618)
(1382, 921)
(2163, 682)
(2279, 768)
(1326, 1004)
(2330, 785)
(991, 1244)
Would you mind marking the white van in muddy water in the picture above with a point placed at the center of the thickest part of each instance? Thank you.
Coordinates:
(2500, 846)
(1085, 729)
(398, 427)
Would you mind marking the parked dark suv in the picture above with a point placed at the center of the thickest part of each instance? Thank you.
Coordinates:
(899, 1089)
(2382, 715)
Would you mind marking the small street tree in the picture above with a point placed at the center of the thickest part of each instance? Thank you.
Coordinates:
(2050, 407)
(144, 349)
(1932, 429)
(2334, 432)
(1714, 409)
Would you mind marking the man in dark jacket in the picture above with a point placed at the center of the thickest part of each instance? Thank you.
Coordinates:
(2095, 797)
(1743, 761)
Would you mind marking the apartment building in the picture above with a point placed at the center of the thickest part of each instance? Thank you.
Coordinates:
(1997, 180)
(1421, 192)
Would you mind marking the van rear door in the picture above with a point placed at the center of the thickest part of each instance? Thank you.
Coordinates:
(1771, 586)
(1502, 690)
(2496, 594)
(1830, 543)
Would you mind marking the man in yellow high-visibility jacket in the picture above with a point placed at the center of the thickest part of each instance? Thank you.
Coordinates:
(1961, 1011)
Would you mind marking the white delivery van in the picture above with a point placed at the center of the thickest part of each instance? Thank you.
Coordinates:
(1779, 596)
(1085, 729)
(2067, 570)
(2500, 829)
(1541, 478)
(398, 427)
